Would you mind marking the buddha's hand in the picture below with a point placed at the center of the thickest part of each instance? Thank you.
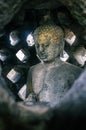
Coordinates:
(31, 99)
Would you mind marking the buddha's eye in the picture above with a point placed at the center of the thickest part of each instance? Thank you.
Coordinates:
(46, 45)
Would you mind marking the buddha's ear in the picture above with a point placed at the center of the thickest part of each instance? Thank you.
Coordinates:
(62, 49)
(61, 54)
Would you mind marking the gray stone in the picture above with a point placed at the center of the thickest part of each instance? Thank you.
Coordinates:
(73, 104)
(69, 114)
(8, 9)
(77, 9)
(51, 82)
(51, 79)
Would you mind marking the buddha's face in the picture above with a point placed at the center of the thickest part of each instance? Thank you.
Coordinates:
(48, 44)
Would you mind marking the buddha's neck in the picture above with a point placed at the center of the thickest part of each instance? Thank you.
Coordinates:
(56, 62)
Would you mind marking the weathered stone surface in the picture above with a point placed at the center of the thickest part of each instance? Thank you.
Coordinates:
(77, 9)
(8, 10)
(70, 114)
(72, 108)
(43, 4)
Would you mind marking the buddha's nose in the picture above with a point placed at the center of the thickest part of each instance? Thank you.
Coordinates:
(41, 48)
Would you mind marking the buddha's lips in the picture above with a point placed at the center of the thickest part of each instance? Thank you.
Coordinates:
(43, 56)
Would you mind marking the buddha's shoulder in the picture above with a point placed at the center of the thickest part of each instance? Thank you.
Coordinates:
(39, 66)
(70, 68)
(65, 67)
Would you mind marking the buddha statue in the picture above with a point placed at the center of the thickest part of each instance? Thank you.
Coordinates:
(51, 79)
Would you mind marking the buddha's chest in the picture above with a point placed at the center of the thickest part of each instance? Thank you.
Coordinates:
(49, 84)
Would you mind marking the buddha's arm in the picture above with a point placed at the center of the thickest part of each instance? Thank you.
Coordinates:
(29, 83)
(30, 95)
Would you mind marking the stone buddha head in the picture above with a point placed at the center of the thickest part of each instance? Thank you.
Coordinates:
(49, 42)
